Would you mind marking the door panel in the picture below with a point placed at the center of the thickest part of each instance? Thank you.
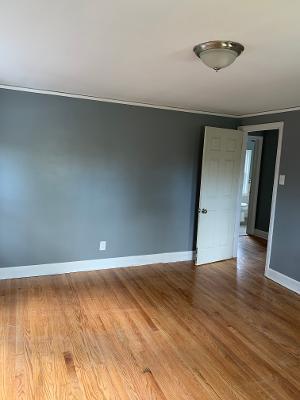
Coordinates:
(219, 192)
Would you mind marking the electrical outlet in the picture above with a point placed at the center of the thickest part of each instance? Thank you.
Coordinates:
(102, 245)
(281, 180)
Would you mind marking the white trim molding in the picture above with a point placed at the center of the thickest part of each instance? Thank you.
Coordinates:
(279, 111)
(261, 234)
(93, 265)
(139, 104)
(283, 280)
(116, 101)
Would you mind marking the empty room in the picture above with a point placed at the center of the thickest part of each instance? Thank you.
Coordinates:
(149, 200)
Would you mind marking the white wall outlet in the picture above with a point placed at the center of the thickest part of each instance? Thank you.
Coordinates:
(281, 180)
(102, 245)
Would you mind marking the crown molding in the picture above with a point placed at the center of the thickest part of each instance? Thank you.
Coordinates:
(116, 101)
(279, 111)
(148, 105)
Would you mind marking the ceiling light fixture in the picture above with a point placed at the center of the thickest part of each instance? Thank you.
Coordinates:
(218, 54)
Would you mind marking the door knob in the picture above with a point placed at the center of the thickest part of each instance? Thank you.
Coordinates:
(204, 211)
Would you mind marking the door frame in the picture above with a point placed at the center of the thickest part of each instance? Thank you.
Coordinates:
(254, 183)
(245, 131)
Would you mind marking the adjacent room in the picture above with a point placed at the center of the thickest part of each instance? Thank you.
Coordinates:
(149, 191)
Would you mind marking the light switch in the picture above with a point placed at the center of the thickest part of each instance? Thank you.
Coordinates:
(281, 179)
(102, 245)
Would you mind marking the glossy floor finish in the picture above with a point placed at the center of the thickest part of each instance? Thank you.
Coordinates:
(167, 331)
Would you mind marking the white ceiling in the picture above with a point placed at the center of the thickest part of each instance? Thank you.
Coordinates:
(141, 51)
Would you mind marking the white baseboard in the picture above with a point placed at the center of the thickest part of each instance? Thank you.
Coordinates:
(283, 280)
(92, 265)
(261, 234)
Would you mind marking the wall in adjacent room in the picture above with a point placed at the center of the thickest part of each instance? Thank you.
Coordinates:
(74, 172)
(266, 179)
(285, 255)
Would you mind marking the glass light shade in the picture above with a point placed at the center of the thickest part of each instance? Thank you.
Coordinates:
(218, 58)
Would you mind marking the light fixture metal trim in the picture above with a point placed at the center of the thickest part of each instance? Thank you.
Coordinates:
(218, 45)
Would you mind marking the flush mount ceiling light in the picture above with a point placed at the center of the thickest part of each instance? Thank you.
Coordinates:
(218, 54)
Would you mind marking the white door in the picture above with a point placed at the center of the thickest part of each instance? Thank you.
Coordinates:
(219, 195)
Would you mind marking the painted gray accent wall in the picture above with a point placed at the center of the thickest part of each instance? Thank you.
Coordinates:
(266, 179)
(74, 172)
(285, 255)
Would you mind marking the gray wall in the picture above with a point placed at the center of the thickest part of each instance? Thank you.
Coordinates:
(285, 256)
(74, 172)
(266, 179)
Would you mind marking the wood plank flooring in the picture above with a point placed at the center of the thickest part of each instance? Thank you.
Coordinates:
(167, 331)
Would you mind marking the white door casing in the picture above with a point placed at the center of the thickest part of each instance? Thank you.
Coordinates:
(219, 194)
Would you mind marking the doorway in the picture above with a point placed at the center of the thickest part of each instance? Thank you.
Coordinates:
(261, 167)
(224, 167)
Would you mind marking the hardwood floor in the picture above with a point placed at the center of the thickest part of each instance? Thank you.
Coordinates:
(169, 331)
